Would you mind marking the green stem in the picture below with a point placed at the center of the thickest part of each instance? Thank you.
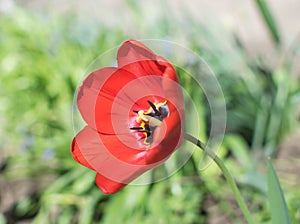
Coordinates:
(227, 175)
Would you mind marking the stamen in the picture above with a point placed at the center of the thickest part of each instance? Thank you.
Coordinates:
(142, 115)
(136, 128)
(153, 107)
(146, 131)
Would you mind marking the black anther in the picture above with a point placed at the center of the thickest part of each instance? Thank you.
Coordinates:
(153, 107)
(136, 128)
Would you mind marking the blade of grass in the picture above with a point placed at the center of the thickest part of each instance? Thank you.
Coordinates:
(278, 206)
(269, 20)
(274, 131)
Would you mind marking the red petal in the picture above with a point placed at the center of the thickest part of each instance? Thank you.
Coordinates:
(133, 51)
(111, 105)
(88, 93)
(140, 60)
(85, 148)
(108, 186)
(77, 155)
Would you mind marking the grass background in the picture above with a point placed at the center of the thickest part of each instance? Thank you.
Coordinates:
(43, 56)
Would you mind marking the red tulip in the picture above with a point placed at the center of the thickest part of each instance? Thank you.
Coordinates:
(134, 115)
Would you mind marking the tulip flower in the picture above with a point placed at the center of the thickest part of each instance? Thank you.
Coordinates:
(134, 117)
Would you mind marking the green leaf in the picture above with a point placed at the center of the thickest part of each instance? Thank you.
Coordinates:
(278, 206)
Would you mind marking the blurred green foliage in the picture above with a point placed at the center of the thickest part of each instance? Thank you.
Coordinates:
(43, 58)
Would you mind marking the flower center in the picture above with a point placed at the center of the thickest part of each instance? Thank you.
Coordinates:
(150, 119)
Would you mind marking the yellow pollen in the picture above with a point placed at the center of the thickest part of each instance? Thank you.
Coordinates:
(142, 116)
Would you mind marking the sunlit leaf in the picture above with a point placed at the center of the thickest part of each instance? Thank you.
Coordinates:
(278, 206)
